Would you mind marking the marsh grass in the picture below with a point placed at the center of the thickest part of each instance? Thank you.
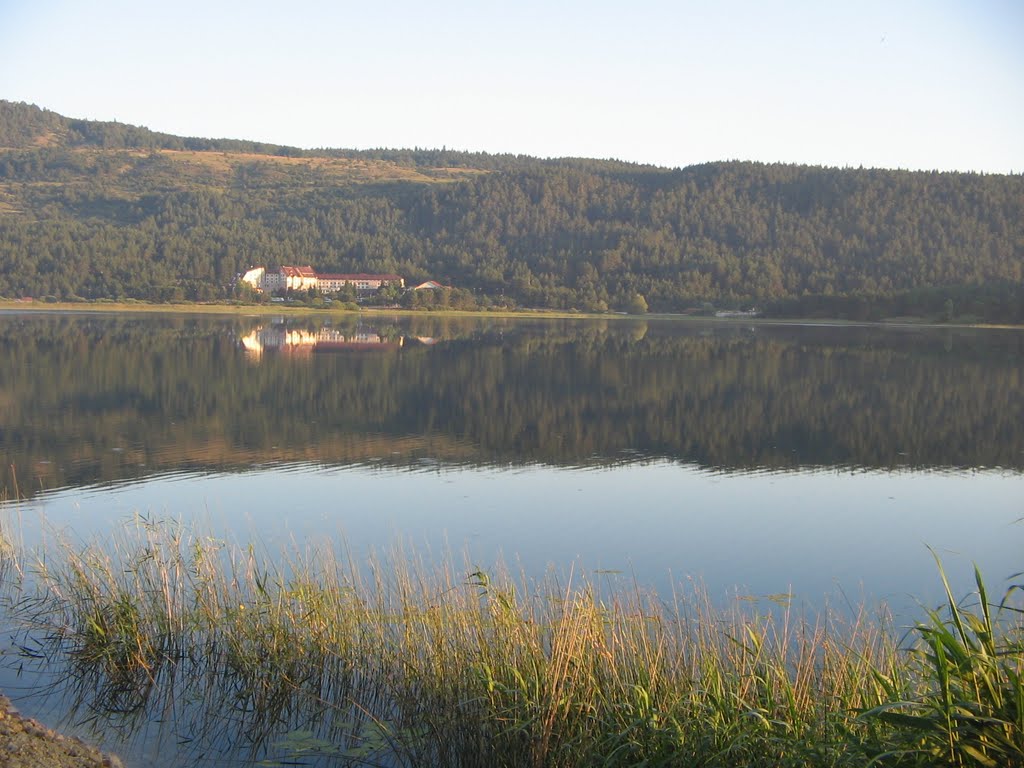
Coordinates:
(395, 663)
(966, 700)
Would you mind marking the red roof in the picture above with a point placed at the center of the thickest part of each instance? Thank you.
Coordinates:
(298, 272)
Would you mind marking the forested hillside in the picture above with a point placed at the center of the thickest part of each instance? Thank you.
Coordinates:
(106, 210)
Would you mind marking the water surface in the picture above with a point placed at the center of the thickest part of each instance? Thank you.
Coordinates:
(753, 459)
(755, 456)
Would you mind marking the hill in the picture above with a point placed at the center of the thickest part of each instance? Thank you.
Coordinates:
(106, 210)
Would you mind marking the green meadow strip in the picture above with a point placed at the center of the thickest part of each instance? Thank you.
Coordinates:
(397, 663)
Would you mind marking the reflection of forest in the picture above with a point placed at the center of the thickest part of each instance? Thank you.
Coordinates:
(90, 399)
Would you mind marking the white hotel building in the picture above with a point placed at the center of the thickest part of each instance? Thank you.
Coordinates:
(305, 278)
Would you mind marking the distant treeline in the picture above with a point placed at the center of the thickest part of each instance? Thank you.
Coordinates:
(106, 210)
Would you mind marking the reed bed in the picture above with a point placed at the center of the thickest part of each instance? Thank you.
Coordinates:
(390, 662)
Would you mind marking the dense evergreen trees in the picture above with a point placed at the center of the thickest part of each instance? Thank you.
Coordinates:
(108, 210)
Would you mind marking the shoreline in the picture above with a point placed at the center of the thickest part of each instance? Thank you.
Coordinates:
(27, 743)
(259, 310)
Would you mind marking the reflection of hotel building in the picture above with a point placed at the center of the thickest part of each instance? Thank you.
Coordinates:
(303, 342)
(305, 278)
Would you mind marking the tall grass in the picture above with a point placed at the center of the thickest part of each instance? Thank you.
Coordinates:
(396, 663)
(965, 705)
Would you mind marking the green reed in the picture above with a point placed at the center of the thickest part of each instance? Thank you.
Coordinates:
(402, 664)
(965, 706)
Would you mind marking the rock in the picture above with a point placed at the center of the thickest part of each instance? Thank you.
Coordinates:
(26, 743)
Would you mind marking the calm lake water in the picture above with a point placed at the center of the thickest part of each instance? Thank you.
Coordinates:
(755, 459)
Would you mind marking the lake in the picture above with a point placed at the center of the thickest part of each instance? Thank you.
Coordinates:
(754, 459)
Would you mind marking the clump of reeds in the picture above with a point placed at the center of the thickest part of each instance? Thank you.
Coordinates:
(400, 664)
(963, 701)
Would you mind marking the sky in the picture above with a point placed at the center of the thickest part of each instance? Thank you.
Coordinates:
(895, 84)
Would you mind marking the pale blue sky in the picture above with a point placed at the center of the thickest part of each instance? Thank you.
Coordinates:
(920, 85)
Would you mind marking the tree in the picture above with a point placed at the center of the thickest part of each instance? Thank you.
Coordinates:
(347, 292)
(637, 304)
(388, 293)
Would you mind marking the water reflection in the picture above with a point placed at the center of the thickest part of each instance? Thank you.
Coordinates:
(88, 399)
(198, 710)
(279, 337)
(777, 445)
